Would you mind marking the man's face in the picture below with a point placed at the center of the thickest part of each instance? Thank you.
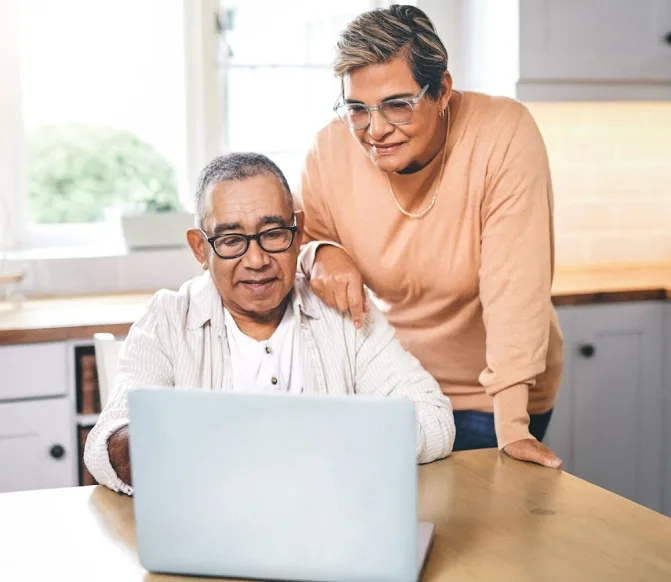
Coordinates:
(255, 284)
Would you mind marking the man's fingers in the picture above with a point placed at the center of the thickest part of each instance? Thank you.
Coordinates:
(357, 303)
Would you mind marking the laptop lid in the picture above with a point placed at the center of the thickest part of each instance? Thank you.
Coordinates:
(318, 488)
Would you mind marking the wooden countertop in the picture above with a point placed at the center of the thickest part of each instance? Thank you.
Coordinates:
(64, 318)
(57, 319)
(495, 518)
(611, 284)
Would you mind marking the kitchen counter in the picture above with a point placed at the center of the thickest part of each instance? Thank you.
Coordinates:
(611, 284)
(58, 319)
(495, 519)
(65, 318)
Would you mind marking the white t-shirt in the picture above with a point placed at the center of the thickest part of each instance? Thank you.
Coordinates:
(272, 365)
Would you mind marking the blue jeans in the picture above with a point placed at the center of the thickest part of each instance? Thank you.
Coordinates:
(475, 430)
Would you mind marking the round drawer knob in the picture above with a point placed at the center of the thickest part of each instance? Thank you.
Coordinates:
(587, 350)
(57, 451)
(667, 37)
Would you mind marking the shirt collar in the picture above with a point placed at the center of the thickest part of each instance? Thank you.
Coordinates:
(205, 303)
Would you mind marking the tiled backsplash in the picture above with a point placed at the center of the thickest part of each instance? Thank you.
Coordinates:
(611, 169)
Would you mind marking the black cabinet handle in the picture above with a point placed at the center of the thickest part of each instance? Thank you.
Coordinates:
(667, 37)
(587, 350)
(57, 451)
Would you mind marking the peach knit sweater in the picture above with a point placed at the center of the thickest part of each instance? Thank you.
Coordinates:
(467, 287)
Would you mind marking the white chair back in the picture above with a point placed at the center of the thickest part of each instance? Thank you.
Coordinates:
(107, 353)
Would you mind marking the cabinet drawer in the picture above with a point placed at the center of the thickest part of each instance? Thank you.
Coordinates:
(31, 370)
(37, 445)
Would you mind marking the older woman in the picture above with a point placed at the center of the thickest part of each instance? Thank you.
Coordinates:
(440, 202)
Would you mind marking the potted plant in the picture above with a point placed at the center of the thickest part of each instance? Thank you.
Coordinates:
(87, 173)
(155, 222)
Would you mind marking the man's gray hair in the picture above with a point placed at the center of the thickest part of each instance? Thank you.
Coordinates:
(235, 167)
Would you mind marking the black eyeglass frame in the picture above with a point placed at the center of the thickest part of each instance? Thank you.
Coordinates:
(250, 237)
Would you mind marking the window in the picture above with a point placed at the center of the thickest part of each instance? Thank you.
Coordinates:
(110, 107)
(99, 88)
(276, 83)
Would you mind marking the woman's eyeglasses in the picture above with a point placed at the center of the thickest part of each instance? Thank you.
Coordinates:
(395, 111)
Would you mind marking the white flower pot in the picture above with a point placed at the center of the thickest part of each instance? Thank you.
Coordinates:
(158, 230)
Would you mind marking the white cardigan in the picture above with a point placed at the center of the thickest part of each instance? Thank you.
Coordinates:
(181, 341)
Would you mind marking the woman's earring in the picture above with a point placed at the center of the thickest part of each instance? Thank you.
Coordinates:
(441, 113)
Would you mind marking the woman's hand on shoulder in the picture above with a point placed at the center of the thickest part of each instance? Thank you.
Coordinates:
(336, 280)
(534, 452)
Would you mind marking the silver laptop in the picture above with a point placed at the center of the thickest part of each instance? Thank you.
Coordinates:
(276, 487)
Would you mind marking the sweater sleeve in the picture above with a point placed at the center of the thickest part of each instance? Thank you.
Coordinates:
(516, 270)
(319, 225)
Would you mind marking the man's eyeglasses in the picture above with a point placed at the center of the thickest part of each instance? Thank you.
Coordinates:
(395, 111)
(273, 240)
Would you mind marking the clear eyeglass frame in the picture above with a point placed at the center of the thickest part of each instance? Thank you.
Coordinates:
(342, 110)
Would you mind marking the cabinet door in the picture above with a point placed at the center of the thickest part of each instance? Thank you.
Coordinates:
(617, 398)
(559, 436)
(33, 370)
(666, 507)
(595, 40)
(37, 445)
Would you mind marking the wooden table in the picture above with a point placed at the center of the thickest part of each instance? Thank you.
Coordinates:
(496, 519)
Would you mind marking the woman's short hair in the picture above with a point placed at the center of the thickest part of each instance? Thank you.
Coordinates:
(383, 34)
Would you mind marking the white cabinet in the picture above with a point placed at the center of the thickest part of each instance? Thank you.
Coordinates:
(33, 370)
(609, 423)
(37, 419)
(666, 504)
(37, 445)
(559, 434)
(595, 50)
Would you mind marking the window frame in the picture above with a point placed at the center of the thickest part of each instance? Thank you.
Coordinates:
(201, 117)
(204, 118)
(223, 67)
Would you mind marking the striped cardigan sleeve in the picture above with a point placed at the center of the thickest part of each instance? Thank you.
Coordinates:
(142, 362)
(385, 368)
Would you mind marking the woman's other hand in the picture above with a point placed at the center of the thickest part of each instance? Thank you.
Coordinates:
(534, 452)
(338, 283)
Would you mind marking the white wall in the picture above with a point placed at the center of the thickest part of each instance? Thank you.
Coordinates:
(445, 15)
(11, 131)
(134, 271)
(482, 41)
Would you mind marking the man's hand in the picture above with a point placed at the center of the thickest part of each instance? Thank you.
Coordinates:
(338, 283)
(119, 452)
(534, 452)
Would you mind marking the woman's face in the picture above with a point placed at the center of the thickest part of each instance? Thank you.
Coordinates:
(395, 148)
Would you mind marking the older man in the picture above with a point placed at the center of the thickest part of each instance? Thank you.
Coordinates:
(249, 324)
